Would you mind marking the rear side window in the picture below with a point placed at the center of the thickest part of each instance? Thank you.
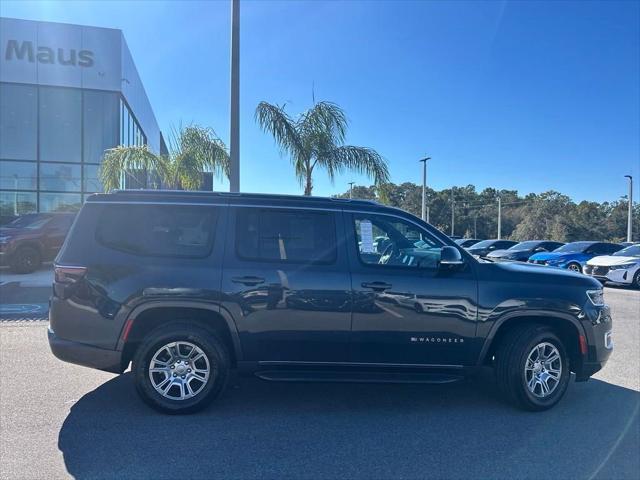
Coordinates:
(158, 230)
(285, 235)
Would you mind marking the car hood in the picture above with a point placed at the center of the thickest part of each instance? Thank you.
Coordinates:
(556, 256)
(610, 260)
(526, 272)
(16, 232)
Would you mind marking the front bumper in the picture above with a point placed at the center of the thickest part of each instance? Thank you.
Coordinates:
(598, 327)
(618, 275)
(85, 355)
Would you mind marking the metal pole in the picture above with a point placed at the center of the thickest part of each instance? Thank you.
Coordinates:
(453, 219)
(351, 189)
(424, 187)
(499, 218)
(475, 225)
(427, 214)
(630, 213)
(234, 142)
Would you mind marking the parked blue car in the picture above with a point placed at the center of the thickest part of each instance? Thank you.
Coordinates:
(573, 256)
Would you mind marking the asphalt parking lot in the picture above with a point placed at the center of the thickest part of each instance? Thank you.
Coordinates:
(59, 420)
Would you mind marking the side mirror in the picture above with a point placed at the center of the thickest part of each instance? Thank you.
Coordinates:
(450, 256)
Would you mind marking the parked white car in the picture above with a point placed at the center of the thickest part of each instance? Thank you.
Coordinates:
(622, 267)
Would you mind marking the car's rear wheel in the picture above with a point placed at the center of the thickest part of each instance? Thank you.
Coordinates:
(26, 260)
(180, 368)
(532, 367)
(574, 267)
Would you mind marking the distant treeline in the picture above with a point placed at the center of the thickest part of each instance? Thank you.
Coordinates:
(549, 215)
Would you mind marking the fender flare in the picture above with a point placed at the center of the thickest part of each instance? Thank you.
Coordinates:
(211, 307)
(524, 314)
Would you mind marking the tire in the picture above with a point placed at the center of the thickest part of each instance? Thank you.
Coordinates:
(26, 260)
(574, 267)
(636, 280)
(199, 393)
(516, 348)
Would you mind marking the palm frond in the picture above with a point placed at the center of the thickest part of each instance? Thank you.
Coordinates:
(273, 119)
(123, 159)
(327, 118)
(361, 160)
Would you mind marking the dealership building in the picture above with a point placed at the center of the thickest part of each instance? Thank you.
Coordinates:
(67, 93)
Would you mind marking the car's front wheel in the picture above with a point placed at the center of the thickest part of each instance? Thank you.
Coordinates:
(574, 267)
(180, 368)
(532, 367)
(636, 279)
(26, 260)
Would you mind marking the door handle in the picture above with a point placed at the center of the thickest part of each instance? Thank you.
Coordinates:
(377, 286)
(248, 280)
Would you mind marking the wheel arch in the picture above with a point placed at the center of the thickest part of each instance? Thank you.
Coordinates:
(144, 318)
(566, 327)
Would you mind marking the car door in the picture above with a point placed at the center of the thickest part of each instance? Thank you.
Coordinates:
(406, 309)
(286, 282)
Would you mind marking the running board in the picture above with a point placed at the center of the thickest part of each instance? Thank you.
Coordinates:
(355, 377)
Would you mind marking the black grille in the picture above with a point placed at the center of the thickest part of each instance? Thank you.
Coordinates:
(600, 270)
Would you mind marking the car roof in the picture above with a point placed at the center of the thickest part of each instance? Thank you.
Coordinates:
(182, 196)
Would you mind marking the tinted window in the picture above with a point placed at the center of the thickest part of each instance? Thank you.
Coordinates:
(18, 121)
(286, 235)
(18, 175)
(390, 241)
(60, 177)
(60, 124)
(101, 123)
(172, 231)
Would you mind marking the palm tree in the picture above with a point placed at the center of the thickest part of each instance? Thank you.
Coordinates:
(192, 151)
(316, 139)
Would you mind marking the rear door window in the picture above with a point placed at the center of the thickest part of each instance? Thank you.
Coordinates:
(158, 230)
(288, 236)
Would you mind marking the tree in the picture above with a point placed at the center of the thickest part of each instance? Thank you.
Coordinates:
(316, 140)
(192, 151)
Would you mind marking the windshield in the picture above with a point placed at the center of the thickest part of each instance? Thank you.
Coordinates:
(525, 245)
(631, 251)
(32, 222)
(484, 244)
(574, 247)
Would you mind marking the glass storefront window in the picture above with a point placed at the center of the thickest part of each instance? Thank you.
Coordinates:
(100, 124)
(18, 121)
(60, 124)
(17, 203)
(18, 175)
(92, 183)
(61, 177)
(60, 202)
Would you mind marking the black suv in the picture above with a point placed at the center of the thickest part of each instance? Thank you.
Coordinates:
(188, 286)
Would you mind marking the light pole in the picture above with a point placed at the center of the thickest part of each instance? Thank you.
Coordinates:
(424, 188)
(351, 189)
(453, 218)
(234, 140)
(499, 217)
(630, 213)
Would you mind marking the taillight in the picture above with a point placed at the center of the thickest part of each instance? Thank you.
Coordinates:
(67, 275)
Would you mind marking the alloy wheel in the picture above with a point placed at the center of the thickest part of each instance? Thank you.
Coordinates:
(180, 370)
(543, 369)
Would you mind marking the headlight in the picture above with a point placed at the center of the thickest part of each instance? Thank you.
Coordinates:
(622, 266)
(596, 297)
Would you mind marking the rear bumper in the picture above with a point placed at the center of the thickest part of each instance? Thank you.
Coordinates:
(85, 355)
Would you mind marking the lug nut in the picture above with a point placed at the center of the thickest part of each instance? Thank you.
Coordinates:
(175, 374)
(188, 370)
(172, 367)
(182, 376)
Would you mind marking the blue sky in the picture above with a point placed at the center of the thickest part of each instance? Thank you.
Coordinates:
(521, 95)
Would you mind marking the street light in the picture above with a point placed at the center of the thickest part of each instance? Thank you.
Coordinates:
(351, 189)
(630, 213)
(424, 187)
(234, 137)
